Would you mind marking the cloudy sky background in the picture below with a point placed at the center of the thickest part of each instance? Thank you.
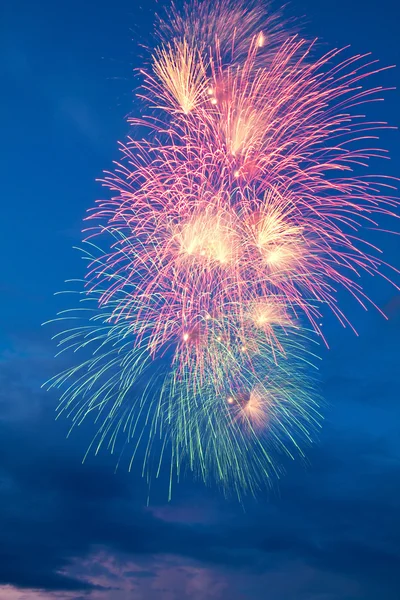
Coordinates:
(329, 530)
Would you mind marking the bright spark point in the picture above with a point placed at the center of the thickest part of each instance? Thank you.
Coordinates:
(260, 40)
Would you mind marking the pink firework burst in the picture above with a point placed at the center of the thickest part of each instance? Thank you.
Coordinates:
(231, 224)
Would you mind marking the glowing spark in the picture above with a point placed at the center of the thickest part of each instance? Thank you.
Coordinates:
(181, 70)
(260, 39)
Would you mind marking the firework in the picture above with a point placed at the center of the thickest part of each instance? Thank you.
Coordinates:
(229, 229)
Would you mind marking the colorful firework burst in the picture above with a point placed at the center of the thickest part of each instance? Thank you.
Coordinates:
(229, 227)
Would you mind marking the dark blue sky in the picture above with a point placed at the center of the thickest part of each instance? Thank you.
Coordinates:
(72, 531)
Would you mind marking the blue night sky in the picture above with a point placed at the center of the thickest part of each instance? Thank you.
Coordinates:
(330, 530)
